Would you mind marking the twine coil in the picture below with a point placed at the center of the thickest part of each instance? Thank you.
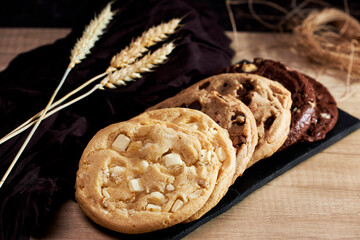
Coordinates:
(330, 37)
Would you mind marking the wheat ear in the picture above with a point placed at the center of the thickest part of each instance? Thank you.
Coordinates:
(145, 64)
(79, 52)
(90, 35)
(141, 44)
(120, 77)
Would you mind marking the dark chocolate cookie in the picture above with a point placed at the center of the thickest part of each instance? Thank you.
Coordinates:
(326, 113)
(302, 92)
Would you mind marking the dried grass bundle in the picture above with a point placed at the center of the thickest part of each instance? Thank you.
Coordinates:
(330, 37)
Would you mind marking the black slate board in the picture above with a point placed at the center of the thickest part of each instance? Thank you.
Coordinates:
(257, 176)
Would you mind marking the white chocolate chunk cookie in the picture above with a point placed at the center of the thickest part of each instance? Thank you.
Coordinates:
(137, 177)
(219, 138)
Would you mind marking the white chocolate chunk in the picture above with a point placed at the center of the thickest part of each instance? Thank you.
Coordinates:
(106, 173)
(249, 67)
(195, 194)
(148, 145)
(105, 193)
(121, 143)
(172, 159)
(205, 156)
(194, 126)
(213, 131)
(220, 153)
(325, 115)
(170, 187)
(157, 196)
(116, 171)
(143, 165)
(312, 104)
(131, 212)
(135, 185)
(153, 208)
(105, 203)
(178, 203)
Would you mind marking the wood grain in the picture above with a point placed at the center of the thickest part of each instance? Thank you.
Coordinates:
(318, 199)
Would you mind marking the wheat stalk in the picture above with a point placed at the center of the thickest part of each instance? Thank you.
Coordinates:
(120, 77)
(124, 58)
(141, 44)
(113, 79)
(81, 49)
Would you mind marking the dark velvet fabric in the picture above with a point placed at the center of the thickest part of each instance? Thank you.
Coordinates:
(45, 174)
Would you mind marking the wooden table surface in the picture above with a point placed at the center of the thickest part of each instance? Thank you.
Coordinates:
(318, 199)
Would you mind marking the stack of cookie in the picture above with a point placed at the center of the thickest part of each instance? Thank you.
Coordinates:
(158, 169)
(174, 162)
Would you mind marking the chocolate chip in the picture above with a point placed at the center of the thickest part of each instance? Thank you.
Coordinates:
(204, 85)
(195, 105)
(269, 122)
(246, 100)
(241, 92)
(248, 85)
(238, 141)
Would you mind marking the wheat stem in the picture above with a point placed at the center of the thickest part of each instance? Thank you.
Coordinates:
(62, 107)
(26, 125)
(42, 116)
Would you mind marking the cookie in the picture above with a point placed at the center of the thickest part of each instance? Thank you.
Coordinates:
(268, 100)
(326, 113)
(227, 111)
(137, 177)
(218, 137)
(302, 93)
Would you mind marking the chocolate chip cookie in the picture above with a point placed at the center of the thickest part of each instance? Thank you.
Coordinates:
(302, 92)
(268, 100)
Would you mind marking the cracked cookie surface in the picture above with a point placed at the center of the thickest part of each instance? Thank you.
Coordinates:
(137, 177)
